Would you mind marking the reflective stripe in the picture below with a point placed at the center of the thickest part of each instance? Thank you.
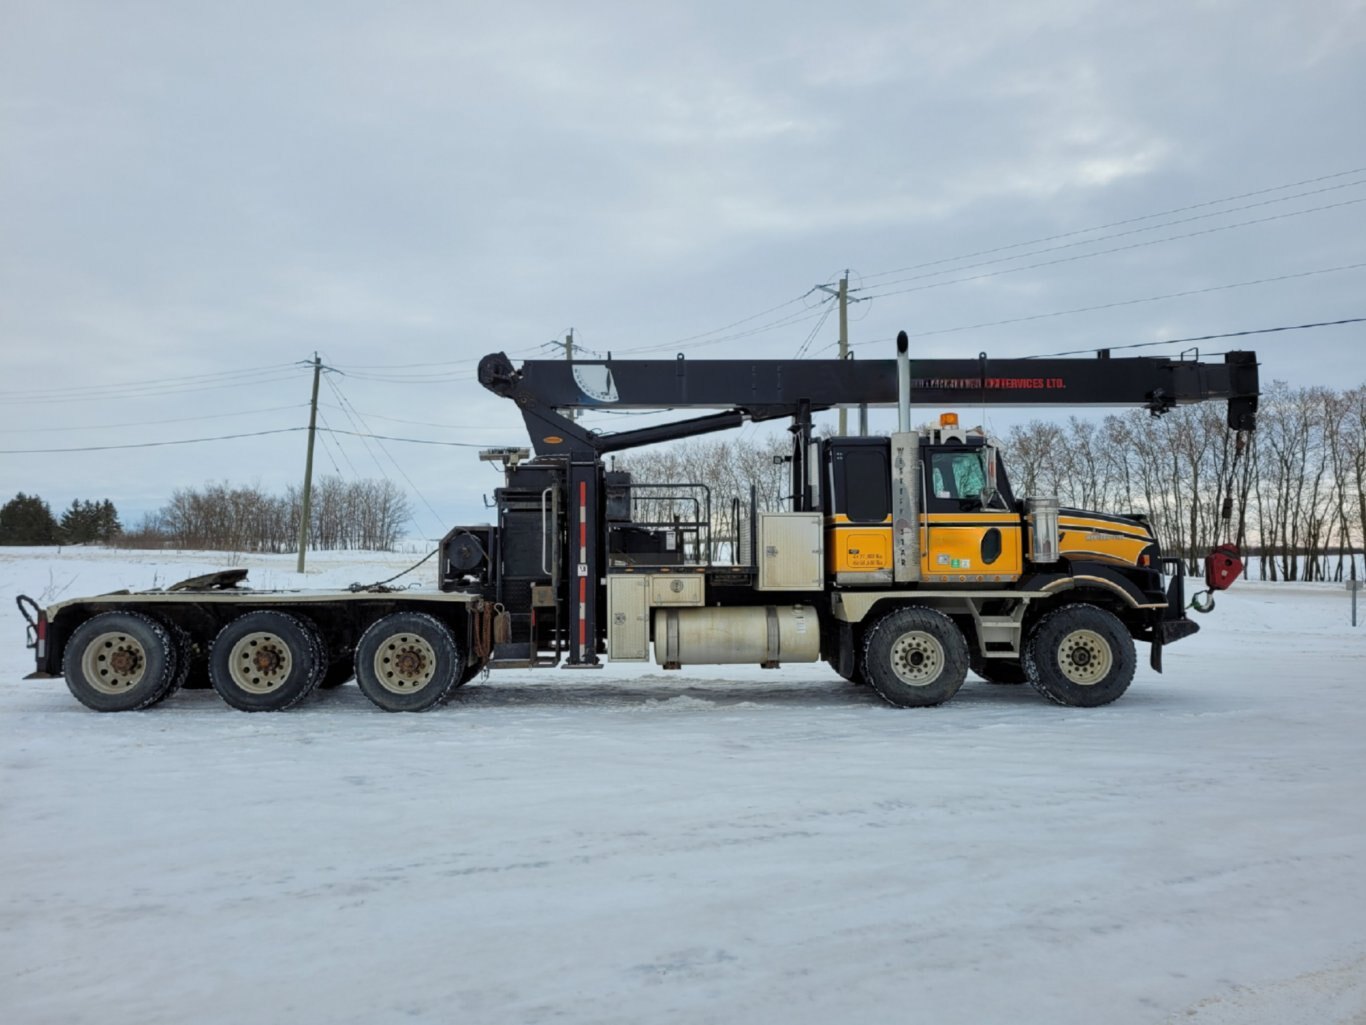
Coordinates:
(583, 577)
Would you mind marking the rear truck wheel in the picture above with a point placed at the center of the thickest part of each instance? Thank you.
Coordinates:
(191, 673)
(1080, 655)
(194, 655)
(121, 662)
(915, 657)
(408, 662)
(999, 670)
(266, 661)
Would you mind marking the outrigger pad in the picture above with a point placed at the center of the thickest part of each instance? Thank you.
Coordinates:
(220, 581)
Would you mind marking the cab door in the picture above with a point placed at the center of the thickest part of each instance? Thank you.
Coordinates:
(963, 541)
(858, 522)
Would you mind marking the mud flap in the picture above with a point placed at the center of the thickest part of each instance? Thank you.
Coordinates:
(848, 656)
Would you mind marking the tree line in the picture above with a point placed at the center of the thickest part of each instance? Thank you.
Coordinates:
(361, 514)
(1295, 489)
(366, 515)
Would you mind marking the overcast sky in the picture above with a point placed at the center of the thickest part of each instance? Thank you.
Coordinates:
(191, 191)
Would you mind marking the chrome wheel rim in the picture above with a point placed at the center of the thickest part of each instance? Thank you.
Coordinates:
(114, 663)
(917, 658)
(1085, 658)
(260, 662)
(405, 663)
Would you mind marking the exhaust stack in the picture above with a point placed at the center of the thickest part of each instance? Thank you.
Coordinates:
(903, 382)
(905, 476)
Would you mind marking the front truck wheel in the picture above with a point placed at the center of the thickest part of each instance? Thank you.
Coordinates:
(408, 662)
(121, 662)
(266, 661)
(915, 657)
(1080, 655)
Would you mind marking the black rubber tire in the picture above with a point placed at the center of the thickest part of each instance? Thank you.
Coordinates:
(192, 672)
(929, 648)
(285, 638)
(1081, 656)
(340, 670)
(194, 660)
(432, 667)
(1005, 671)
(144, 648)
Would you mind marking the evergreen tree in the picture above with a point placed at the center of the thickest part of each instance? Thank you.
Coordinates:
(89, 521)
(107, 525)
(27, 520)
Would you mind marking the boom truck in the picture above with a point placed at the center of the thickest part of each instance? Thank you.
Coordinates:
(901, 560)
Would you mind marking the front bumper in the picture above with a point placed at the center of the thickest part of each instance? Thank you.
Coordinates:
(1174, 623)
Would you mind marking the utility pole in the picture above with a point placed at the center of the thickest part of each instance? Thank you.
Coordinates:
(844, 342)
(308, 463)
(568, 345)
(844, 299)
(569, 358)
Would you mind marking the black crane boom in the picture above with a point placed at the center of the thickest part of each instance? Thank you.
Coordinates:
(767, 389)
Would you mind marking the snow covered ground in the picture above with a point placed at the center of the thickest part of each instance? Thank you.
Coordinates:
(711, 846)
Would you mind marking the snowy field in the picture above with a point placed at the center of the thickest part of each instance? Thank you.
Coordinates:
(631, 846)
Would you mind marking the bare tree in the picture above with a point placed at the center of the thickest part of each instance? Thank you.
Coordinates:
(363, 514)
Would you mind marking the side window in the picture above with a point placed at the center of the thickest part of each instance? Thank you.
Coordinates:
(867, 484)
(862, 481)
(957, 477)
(969, 477)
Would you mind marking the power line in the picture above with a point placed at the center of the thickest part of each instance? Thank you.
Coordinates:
(403, 473)
(411, 441)
(330, 443)
(141, 384)
(1209, 338)
(151, 444)
(801, 349)
(788, 321)
(655, 347)
(420, 423)
(352, 421)
(1126, 302)
(153, 423)
(1114, 249)
(119, 392)
(1120, 224)
(446, 378)
(791, 320)
(230, 437)
(349, 367)
(1153, 227)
